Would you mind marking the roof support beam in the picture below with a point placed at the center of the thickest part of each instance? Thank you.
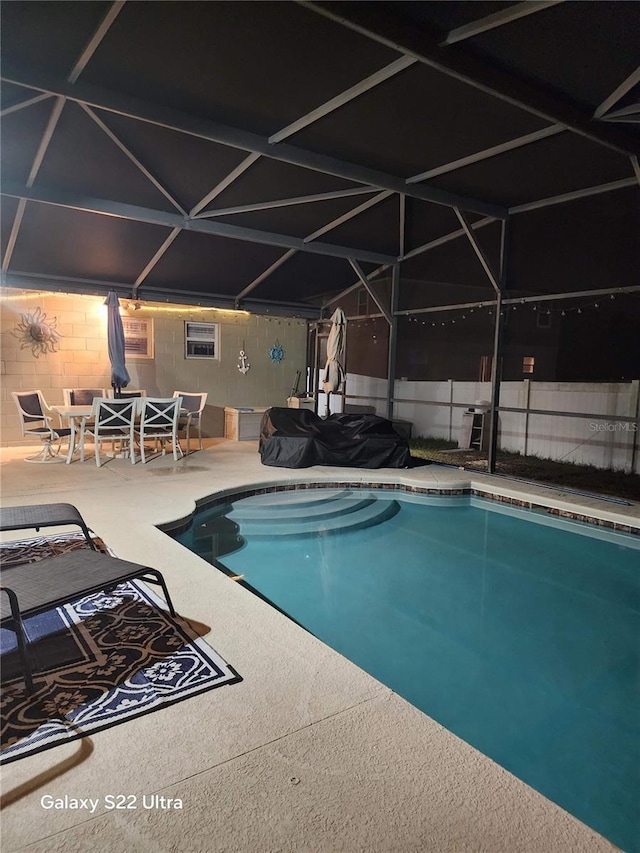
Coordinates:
(202, 226)
(349, 215)
(365, 281)
(447, 238)
(156, 183)
(42, 96)
(636, 167)
(585, 193)
(487, 153)
(477, 248)
(56, 112)
(356, 286)
(344, 97)
(274, 266)
(324, 230)
(504, 16)
(154, 260)
(236, 138)
(284, 202)
(620, 92)
(220, 187)
(376, 22)
(95, 40)
(13, 236)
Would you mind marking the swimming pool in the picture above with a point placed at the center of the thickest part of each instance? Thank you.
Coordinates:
(517, 631)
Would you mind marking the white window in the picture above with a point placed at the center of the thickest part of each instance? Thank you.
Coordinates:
(201, 340)
(138, 337)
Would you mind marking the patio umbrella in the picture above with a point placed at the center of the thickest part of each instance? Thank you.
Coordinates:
(334, 368)
(115, 339)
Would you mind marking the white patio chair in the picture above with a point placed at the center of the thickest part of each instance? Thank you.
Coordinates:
(113, 421)
(36, 423)
(194, 403)
(81, 396)
(159, 423)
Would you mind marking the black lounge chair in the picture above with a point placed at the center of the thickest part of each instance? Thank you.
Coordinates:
(43, 515)
(32, 588)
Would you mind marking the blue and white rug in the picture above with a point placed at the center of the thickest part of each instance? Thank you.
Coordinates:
(101, 660)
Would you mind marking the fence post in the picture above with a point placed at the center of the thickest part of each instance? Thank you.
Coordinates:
(635, 428)
(527, 397)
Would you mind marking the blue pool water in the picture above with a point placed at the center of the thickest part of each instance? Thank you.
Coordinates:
(518, 632)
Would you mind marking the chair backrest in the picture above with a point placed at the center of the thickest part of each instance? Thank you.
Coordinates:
(159, 413)
(113, 414)
(127, 395)
(81, 396)
(193, 402)
(31, 407)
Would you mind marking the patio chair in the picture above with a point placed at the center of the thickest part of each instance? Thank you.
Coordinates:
(32, 588)
(159, 423)
(194, 403)
(111, 420)
(128, 394)
(81, 396)
(35, 423)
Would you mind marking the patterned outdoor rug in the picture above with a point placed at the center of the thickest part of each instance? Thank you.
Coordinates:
(99, 661)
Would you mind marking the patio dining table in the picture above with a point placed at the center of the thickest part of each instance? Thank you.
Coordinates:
(77, 416)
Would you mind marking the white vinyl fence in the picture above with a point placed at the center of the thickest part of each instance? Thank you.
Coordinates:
(589, 423)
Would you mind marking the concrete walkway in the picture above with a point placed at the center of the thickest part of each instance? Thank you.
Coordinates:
(307, 753)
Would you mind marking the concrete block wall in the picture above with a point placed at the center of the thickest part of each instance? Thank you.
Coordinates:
(81, 358)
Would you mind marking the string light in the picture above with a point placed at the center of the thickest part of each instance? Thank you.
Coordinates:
(486, 311)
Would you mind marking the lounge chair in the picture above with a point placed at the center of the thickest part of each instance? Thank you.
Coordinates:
(32, 588)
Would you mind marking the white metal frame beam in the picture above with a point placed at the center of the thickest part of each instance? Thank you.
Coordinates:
(344, 97)
(92, 45)
(136, 213)
(236, 138)
(285, 202)
(620, 92)
(512, 144)
(131, 156)
(497, 19)
(41, 96)
(56, 112)
(572, 196)
(376, 22)
(365, 281)
(477, 248)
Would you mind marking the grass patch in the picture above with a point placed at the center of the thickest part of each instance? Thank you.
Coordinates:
(582, 478)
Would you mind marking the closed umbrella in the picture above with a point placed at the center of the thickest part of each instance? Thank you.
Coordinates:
(334, 368)
(115, 338)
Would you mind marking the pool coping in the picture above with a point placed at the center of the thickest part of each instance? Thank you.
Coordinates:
(559, 505)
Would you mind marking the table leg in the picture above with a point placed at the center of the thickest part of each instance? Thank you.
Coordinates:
(72, 440)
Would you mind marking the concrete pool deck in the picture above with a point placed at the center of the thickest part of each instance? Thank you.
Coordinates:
(308, 752)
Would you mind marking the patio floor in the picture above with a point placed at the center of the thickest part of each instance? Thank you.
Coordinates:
(308, 752)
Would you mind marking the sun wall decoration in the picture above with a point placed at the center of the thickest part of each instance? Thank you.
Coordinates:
(37, 332)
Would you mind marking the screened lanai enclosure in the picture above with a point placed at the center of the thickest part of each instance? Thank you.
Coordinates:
(461, 178)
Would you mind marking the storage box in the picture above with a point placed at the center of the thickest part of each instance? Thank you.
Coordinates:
(302, 403)
(243, 423)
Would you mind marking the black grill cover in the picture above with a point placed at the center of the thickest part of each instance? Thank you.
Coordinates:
(298, 438)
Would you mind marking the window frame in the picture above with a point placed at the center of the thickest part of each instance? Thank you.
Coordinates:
(193, 339)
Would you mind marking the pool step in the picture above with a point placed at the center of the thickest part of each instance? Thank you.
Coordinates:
(366, 514)
(296, 512)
